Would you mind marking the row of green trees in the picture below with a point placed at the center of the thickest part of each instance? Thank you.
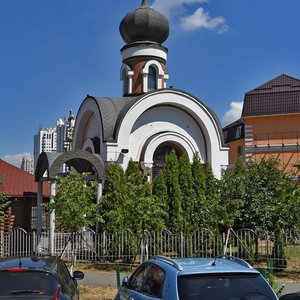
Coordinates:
(184, 196)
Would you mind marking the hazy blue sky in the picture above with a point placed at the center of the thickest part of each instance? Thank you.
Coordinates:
(55, 52)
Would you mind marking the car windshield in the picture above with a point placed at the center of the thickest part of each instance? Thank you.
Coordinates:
(19, 283)
(225, 287)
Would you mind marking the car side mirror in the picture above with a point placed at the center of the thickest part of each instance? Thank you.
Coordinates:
(78, 275)
(291, 296)
(125, 280)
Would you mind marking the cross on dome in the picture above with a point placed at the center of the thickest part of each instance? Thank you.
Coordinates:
(144, 3)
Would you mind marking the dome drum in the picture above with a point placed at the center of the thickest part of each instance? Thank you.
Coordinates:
(144, 50)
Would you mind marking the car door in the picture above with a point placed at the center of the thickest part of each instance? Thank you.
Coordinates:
(69, 285)
(146, 283)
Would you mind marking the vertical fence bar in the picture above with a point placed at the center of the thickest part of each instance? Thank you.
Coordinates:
(1, 244)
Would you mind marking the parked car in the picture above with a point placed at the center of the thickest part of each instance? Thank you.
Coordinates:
(291, 296)
(221, 278)
(37, 278)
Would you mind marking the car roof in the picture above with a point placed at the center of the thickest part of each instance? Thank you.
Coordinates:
(45, 263)
(190, 266)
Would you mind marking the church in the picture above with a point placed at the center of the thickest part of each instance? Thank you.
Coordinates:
(144, 124)
(149, 119)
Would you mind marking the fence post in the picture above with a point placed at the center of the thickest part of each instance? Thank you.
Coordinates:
(1, 244)
(270, 265)
(118, 275)
(181, 244)
(34, 243)
(226, 242)
(142, 259)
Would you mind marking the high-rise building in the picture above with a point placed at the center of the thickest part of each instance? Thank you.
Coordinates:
(44, 141)
(64, 133)
(56, 139)
(28, 164)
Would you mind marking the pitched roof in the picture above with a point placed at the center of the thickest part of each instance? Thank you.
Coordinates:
(237, 122)
(19, 183)
(113, 109)
(234, 131)
(278, 96)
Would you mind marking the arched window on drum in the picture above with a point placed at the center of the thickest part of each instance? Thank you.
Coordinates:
(152, 78)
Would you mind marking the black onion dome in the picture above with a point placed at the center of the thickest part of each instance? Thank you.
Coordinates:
(144, 24)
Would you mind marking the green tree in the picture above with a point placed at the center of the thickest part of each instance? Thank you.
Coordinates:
(4, 202)
(259, 196)
(212, 199)
(112, 202)
(142, 210)
(232, 191)
(279, 249)
(159, 190)
(74, 202)
(287, 204)
(186, 183)
(171, 172)
(265, 192)
(199, 184)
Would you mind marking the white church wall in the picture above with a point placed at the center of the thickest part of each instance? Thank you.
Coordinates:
(163, 116)
(88, 125)
(208, 131)
(172, 124)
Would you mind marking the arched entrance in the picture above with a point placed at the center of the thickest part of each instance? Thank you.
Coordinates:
(160, 153)
(50, 165)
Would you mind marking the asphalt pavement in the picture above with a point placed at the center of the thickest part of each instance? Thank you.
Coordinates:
(100, 279)
(110, 279)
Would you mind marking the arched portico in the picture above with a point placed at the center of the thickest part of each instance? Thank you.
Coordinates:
(50, 165)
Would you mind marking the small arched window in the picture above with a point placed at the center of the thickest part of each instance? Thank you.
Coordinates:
(152, 80)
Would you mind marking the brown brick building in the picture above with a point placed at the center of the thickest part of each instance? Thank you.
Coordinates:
(21, 189)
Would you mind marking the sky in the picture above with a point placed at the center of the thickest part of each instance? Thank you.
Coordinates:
(55, 52)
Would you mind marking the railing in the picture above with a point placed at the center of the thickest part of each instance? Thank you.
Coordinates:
(287, 138)
(260, 249)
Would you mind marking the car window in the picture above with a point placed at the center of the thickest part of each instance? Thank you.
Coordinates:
(225, 287)
(64, 277)
(41, 282)
(137, 278)
(148, 279)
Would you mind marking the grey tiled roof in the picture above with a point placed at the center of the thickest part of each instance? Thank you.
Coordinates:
(110, 109)
(279, 96)
(113, 109)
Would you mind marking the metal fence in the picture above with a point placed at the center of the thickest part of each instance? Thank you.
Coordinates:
(261, 249)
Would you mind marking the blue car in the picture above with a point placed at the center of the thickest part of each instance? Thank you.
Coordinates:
(224, 278)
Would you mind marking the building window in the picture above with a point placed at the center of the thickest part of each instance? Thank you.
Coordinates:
(152, 80)
(126, 77)
(238, 132)
(125, 85)
(225, 133)
(34, 217)
(241, 150)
